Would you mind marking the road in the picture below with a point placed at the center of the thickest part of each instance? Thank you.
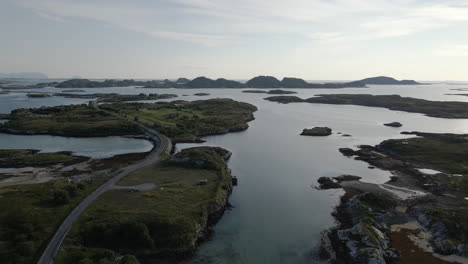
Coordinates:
(162, 143)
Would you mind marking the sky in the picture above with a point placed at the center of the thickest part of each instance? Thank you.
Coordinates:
(236, 39)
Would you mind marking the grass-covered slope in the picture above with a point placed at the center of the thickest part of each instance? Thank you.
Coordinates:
(30, 214)
(187, 121)
(445, 152)
(164, 222)
(71, 120)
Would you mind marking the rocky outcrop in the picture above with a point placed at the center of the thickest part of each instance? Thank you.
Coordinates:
(393, 124)
(317, 131)
(361, 236)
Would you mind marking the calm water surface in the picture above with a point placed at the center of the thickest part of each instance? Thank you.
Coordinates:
(278, 215)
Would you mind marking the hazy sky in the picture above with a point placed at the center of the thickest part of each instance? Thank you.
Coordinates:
(239, 39)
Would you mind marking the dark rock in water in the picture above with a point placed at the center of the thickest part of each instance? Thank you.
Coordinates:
(234, 181)
(393, 124)
(346, 135)
(201, 94)
(279, 91)
(345, 177)
(347, 151)
(317, 131)
(327, 183)
(254, 91)
(371, 167)
(284, 99)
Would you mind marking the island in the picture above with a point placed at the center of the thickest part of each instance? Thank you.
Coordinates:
(201, 94)
(180, 120)
(384, 80)
(442, 109)
(157, 213)
(194, 183)
(186, 122)
(378, 222)
(279, 91)
(38, 95)
(393, 124)
(317, 131)
(204, 82)
(255, 91)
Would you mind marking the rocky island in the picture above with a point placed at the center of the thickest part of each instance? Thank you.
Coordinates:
(393, 124)
(412, 214)
(317, 131)
(443, 109)
(384, 80)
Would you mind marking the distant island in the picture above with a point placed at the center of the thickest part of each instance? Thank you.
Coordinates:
(384, 80)
(204, 82)
(259, 82)
(440, 109)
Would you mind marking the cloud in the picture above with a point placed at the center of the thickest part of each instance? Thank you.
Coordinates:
(458, 50)
(218, 22)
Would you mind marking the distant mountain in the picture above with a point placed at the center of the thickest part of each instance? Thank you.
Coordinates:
(384, 80)
(182, 81)
(203, 82)
(264, 82)
(288, 82)
(23, 75)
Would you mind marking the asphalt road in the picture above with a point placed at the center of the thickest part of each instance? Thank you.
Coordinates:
(161, 144)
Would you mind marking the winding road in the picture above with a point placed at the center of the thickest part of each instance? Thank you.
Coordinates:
(162, 144)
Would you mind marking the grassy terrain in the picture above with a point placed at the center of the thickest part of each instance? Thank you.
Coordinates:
(165, 221)
(30, 214)
(392, 102)
(187, 121)
(445, 152)
(15, 158)
(71, 120)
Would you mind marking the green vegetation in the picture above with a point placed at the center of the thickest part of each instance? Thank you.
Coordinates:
(445, 152)
(39, 95)
(71, 120)
(317, 131)
(15, 158)
(187, 121)
(454, 219)
(165, 221)
(30, 214)
(392, 102)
